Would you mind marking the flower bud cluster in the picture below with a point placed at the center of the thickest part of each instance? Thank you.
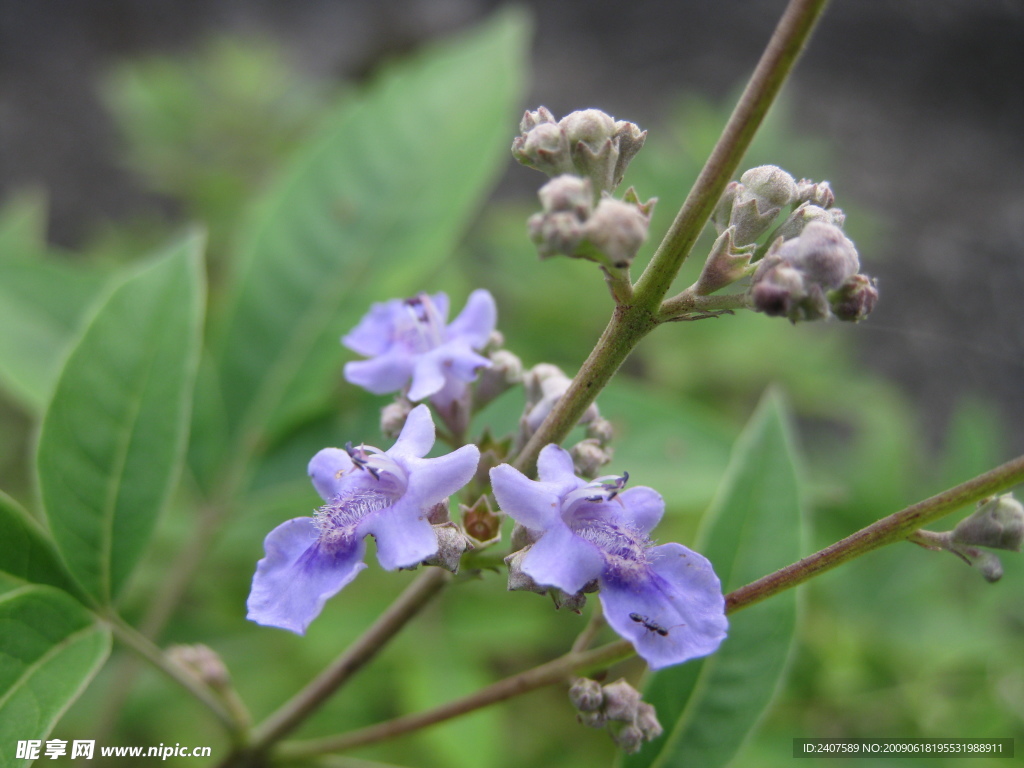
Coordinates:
(809, 269)
(813, 276)
(587, 143)
(586, 154)
(569, 224)
(618, 708)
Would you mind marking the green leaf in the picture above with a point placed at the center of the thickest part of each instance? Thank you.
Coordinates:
(367, 212)
(113, 437)
(709, 706)
(42, 302)
(26, 551)
(50, 648)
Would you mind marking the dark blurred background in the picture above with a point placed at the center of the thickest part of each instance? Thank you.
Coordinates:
(921, 100)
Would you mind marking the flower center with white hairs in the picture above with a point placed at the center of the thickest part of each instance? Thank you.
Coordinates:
(383, 484)
(589, 511)
(419, 328)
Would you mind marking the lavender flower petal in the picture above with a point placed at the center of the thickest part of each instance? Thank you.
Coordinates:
(380, 375)
(531, 503)
(561, 559)
(298, 575)
(417, 436)
(432, 480)
(404, 537)
(642, 508)
(680, 596)
(554, 465)
(326, 469)
(477, 319)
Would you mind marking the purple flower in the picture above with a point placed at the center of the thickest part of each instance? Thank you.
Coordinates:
(386, 494)
(666, 599)
(409, 343)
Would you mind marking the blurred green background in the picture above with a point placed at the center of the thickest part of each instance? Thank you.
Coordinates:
(901, 643)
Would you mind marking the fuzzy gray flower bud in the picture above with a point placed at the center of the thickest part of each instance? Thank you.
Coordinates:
(542, 144)
(817, 193)
(621, 701)
(823, 254)
(998, 522)
(393, 416)
(770, 185)
(588, 456)
(855, 298)
(202, 663)
(586, 695)
(505, 372)
(616, 230)
(587, 143)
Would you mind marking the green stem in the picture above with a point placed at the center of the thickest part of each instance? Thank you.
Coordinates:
(896, 527)
(405, 607)
(688, 302)
(631, 321)
(146, 649)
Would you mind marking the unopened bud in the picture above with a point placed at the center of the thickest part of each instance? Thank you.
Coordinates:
(819, 193)
(998, 522)
(601, 430)
(393, 416)
(594, 153)
(631, 140)
(647, 721)
(986, 563)
(588, 456)
(586, 695)
(568, 193)
(823, 254)
(542, 144)
(772, 186)
(621, 701)
(569, 601)
(505, 372)
(202, 662)
(855, 298)
(629, 739)
(592, 719)
(616, 230)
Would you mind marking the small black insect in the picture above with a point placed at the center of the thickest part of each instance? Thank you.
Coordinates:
(649, 625)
